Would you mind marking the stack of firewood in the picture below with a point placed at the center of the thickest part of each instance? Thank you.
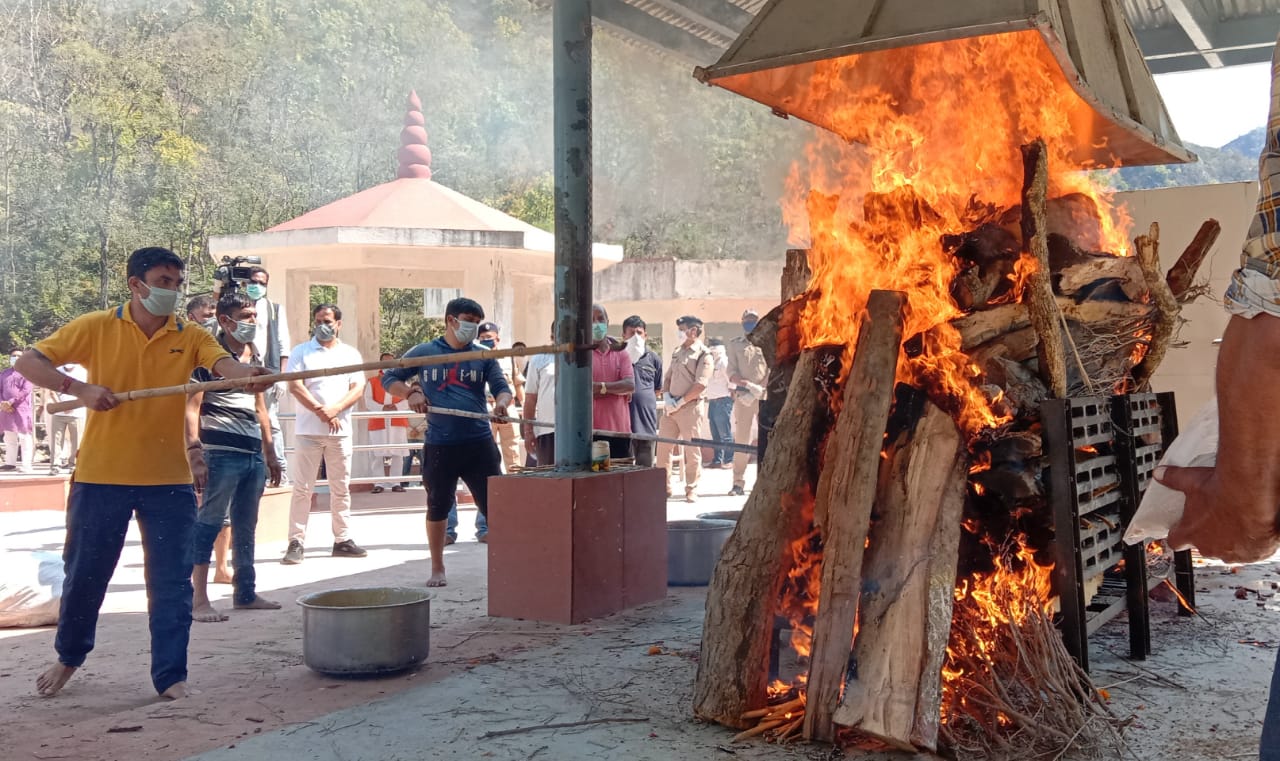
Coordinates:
(885, 476)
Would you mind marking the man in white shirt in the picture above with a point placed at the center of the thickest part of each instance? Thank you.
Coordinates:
(323, 431)
(64, 427)
(720, 405)
(272, 344)
(540, 406)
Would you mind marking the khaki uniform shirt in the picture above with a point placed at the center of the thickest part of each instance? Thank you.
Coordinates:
(746, 361)
(689, 366)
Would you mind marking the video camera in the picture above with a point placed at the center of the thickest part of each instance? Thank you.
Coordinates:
(233, 274)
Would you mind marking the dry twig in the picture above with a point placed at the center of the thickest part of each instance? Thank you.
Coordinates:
(565, 725)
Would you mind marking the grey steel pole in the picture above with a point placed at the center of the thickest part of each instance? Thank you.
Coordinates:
(571, 52)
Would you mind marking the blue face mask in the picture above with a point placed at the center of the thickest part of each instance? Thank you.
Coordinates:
(255, 291)
(599, 330)
(489, 342)
(749, 325)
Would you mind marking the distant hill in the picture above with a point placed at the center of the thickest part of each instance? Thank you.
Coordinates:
(1248, 144)
(1236, 161)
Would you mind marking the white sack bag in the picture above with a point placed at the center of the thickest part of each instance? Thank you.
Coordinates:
(1161, 507)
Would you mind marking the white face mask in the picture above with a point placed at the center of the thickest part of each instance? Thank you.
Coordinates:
(466, 332)
(635, 348)
(244, 332)
(160, 301)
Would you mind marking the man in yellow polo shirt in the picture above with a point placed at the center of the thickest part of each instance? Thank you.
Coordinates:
(132, 459)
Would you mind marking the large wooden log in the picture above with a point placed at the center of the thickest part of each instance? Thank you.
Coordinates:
(1182, 275)
(1125, 270)
(908, 582)
(981, 328)
(733, 669)
(778, 336)
(1167, 309)
(1045, 317)
(795, 274)
(847, 488)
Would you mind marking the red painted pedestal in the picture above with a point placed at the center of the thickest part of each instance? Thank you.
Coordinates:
(565, 548)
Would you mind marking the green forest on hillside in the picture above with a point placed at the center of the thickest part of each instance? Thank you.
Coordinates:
(140, 122)
(126, 123)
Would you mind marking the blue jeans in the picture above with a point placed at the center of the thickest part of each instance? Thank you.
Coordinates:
(720, 412)
(234, 489)
(451, 526)
(407, 468)
(97, 521)
(1270, 747)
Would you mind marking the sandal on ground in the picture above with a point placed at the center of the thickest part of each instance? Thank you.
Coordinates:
(378, 490)
(397, 488)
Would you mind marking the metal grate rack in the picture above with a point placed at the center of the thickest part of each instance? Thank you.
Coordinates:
(1101, 452)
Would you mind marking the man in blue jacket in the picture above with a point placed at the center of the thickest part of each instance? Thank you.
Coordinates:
(455, 447)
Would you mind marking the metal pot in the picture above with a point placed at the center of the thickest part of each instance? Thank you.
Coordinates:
(693, 547)
(721, 515)
(355, 632)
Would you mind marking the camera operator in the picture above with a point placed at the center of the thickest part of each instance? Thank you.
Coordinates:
(271, 341)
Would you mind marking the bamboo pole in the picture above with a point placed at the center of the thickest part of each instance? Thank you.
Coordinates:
(696, 442)
(403, 362)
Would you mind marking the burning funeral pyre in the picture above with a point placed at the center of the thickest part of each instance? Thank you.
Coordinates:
(960, 270)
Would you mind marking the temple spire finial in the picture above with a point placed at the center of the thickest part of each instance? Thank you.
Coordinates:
(414, 155)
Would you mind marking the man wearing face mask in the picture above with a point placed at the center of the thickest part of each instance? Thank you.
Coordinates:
(272, 344)
(612, 382)
(323, 432)
(505, 433)
(230, 437)
(15, 417)
(747, 376)
(65, 427)
(685, 404)
(720, 405)
(132, 462)
(455, 447)
(646, 368)
(202, 310)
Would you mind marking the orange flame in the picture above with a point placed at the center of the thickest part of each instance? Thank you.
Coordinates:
(937, 154)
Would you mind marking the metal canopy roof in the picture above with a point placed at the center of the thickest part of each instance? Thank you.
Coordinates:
(1174, 35)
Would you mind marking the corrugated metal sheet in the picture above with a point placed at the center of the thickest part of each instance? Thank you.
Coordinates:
(674, 18)
(1248, 27)
(1153, 14)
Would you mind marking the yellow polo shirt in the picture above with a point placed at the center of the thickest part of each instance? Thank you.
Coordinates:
(139, 443)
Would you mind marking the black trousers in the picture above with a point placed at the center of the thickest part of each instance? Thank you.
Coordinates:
(472, 461)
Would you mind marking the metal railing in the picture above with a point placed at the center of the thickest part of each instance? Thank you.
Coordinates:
(413, 417)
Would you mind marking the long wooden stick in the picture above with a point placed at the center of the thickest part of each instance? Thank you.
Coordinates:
(696, 442)
(1041, 305)
(1182, 274)
(403, 362)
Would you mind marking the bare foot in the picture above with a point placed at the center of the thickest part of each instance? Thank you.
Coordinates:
(176, 692)
(207, 613)
(222, 576)
(52, 680)
(258, 603)
(437, 579)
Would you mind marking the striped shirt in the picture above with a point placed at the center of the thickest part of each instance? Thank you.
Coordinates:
(1255, 287)
(229, 419)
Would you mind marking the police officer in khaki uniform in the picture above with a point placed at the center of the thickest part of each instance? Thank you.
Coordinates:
(684, 393)
(748, 375)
